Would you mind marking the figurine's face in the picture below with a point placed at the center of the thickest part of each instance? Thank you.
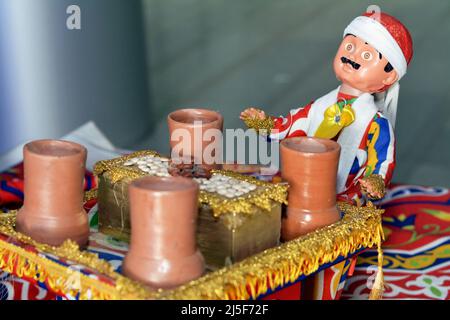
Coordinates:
(359, 65)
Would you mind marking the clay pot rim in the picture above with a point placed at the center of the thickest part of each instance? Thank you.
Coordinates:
(44, 147)
(332, 146)
(202, 110)
(139, 184)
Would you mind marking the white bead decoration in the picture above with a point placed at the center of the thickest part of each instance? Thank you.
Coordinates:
(223, 185)
(152, 165)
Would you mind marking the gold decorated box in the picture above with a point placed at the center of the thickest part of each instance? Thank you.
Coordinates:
(231, 226)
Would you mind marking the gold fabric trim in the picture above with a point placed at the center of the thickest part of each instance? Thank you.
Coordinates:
(60, 279)
(20, 262)
(254, 276)
(118, 171)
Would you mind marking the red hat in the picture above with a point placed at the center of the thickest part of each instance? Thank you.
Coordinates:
(386, 34)
(391, 38)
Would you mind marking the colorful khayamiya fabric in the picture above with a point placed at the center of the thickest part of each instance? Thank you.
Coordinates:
(417, 247)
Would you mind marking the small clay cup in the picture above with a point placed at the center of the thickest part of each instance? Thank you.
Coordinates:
(189, 119)
(53, 206)
(310, 166)
(163, 251)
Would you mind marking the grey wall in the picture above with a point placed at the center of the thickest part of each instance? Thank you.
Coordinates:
(229, 54)
(53, 79)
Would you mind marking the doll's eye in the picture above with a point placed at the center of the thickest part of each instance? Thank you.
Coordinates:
(366, 55)
(349, 47)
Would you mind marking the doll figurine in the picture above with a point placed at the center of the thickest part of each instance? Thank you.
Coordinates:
(360, 114)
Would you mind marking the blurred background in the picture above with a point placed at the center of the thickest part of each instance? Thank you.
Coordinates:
(134, 61)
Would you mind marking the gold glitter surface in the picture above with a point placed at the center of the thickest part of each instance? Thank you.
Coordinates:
(118, 171)
(264, 126)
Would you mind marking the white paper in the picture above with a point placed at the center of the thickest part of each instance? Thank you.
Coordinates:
(88, 135)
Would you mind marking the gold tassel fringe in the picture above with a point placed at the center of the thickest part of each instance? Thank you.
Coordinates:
(378, 284)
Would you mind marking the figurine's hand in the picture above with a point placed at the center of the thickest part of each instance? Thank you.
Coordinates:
(373, 186)
(253, 113)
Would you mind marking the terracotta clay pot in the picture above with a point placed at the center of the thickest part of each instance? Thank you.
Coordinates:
(310, 166)
(188, 119)
(53, 206)
(163, 251)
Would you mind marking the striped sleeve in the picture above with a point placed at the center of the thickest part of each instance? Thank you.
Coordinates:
(294, 125)
(380, 149)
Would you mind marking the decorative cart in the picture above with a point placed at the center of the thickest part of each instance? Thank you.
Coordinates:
(314, 266)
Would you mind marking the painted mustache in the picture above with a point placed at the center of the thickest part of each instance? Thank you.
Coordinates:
(355, 65)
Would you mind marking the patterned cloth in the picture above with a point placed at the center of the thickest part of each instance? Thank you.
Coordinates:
(416, 250)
